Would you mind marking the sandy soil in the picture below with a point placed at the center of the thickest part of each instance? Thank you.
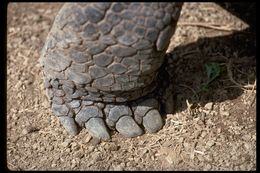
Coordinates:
(210, 129)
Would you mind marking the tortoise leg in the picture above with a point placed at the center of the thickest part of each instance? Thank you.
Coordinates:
(146, 112)
(73, 112)
(120, 118)
(131, 120)
(91, 117)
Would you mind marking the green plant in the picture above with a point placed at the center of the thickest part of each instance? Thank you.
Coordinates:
(213, 71)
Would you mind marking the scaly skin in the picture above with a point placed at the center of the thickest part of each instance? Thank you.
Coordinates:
(103, 66)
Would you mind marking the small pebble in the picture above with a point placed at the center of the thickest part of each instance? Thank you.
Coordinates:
(207, 167)
(209, 106)
(210, 143)
(25, 131)
(118, 168)
(224, 113)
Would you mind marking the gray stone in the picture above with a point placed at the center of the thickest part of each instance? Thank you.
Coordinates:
(75, 103)
(106, 81)
(97, 72)
(103, 59)
(69, 125)
(127, 39)
(86, 113)
(60, 110)
(56, 61)
(152, 121)
(118, 111)
(93, 15)
(79, 57)
(128, 127)
(117, 68)
(164, 38)
(122, 51)
(97, 128)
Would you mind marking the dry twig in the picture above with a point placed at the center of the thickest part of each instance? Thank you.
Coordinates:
(194, 92)
(230, 75)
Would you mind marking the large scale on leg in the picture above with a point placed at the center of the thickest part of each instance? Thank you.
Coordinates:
(102, 63)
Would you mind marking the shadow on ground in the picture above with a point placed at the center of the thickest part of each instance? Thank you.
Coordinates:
(236, 50)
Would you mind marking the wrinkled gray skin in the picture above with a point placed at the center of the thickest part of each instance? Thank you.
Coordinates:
(103, 66)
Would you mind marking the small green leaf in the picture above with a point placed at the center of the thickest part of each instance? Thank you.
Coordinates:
(213, 71)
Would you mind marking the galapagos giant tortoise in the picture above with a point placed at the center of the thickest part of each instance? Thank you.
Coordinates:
(104, 66)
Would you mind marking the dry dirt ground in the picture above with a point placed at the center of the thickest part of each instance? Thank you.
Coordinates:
(211, 129)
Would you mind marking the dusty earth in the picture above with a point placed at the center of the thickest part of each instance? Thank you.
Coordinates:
(213, 126)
